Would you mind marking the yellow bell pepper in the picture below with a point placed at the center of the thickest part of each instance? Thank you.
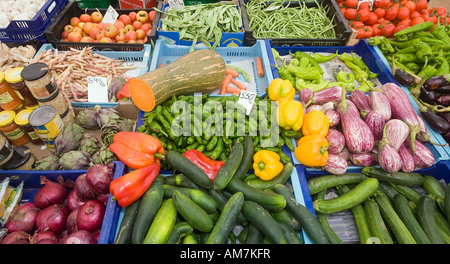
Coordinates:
(312, 150)
(315, 122)
(290, 114)
(280, 89)
(267, 164)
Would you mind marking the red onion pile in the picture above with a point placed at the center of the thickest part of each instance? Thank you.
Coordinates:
(57, 217)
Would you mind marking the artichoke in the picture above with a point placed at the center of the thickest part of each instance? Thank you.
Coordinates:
(89, 143)
(87, 118)
(126, 125)
(69, 138)
(49, 162)
(107, 116)
(104, 156)
(107, 133)
(75, 160)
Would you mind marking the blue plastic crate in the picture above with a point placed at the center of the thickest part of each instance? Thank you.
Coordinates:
(228, 39)
(32, 184)
(143, 57)
(22, 30)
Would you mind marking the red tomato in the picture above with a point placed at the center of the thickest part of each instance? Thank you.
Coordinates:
(417, 20)
(421, 4)
(343, 10)
(380, 12)
(432, 18)
(358, 24)
(363, 15)
(350, 13)
(368, 31)
(404, 22)
(376, 29)
(387, 30)
(383, 3)
(391, 13)
(441, 11)
(373, 18)
(403, 13)
(364, 5)
(414, 14)
(351, 3)
(411, 5)
(361, 33)
(399, 28)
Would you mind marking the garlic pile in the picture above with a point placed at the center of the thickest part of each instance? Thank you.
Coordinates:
(18, 10)
(15, 57)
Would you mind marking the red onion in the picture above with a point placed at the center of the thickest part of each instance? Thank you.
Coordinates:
(80, 237)
(47, 241)
(23, 218)
(90, 215)
(53, 218)
(51, 193)
(71, 224)
(74, 201)
(18, 237)
(99, 177)
(103, 198)
(44, 235)
(83, 189)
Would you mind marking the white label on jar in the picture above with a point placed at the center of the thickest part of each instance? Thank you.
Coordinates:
(5, 98)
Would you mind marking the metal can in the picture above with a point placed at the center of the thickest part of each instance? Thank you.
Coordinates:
(47, 123)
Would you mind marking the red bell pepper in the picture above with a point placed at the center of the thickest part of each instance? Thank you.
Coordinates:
(209, 166)
(124, 93)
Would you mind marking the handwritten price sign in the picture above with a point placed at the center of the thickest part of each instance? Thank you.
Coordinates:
(247, 99)
(97, 89)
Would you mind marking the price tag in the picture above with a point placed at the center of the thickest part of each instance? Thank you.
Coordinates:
(97, 89)
(175, 3)
(110, 16)
(371, 2)
(247, 99)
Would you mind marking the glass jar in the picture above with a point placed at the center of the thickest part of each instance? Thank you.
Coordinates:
(39, 80)
(57, 101)
(21, 120)
(22, 159)
(14, 78)
(8, 97)
(6, 149)
(10, 129)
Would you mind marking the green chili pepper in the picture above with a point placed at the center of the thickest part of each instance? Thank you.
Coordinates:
(424, 26)
(365, 86)
(345, 57)
(217, 150)
(304, 62)
(346, 77)
(360, 74)
(285, 75)
(292, 134)
(288, 143)
(360, 63)
(298, 55)
(348, 86)
(407, 50)
(414, 67)
(301, 84)
(402, 45)
(405, 58)
(424, 52)
(305, 73)
(322, 58)
(427, 72)
(294, 62)
(440, 33)
(444, 68)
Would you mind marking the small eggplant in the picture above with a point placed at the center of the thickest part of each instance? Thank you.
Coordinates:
(345, 154)
(363, 159)
(428, 96)
(314, 107)
(436, 122)
(444, 100)
(396, 132)
(387, 156)
(445, 89)
(335, 140)
(336, 165)
(380, 103)
(446, 136)
(423, 157)
(375, 121)
(408, 164)
(305, 96)
(445, 115)
(333, 93)
(328, 106)
(333, 117)
(403, 78)
(359, 98)
(435, 82)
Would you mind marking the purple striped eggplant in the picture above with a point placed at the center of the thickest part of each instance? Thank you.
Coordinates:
(401, 108)
(333, 117)
(396, 132)
(408, 164)
(314, 107)
(335, 165)
(360, 99)
(333, 93)
(335, 140)
(380, 103)
(375, 121)
(423, 157)
(345, 154)
(305, 96)
(363, 159)
(328, 106)
(387, 156)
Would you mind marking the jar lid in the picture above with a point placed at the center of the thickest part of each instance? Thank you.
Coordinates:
(20, 156)
(7, 117)
(34, 71)
(2, 76)
(13, 75)
(21, 118)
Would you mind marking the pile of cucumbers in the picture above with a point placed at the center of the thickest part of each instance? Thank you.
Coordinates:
(187, 207)
(387, 207)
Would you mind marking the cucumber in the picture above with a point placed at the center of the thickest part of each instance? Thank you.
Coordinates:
(406, 214)
(292, 237)
(281, 178)
(310, 224)
(191, 239)
(388, 189)
(408, 192)
(254, 236)
(286, 218)
(403, 178)
(186, 167)
(226, 220)
(425, 213)
(200, 198)
(393, 221)
(435, 190)
(269, 200)
(331, 235)
(242, 237)
(162, 225)
(183, 181)
(376, 224)
(247, 158)
(151, 201)
(324, 182)
(227, 171)
(180, 230)
(358, 194)
(360, 218)
(126, 226)
(221, 198)
(192, 213)
(265, 223)
(447, 202)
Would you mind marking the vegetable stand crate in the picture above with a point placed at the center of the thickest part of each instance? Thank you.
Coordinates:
(139, 59)
(22, 30)
(342, 31)
(96, 3)
(343, 223)
(32, 183)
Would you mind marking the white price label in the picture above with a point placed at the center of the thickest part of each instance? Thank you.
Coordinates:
(110, 16)
(175, 3)
(97, 89)
(247, 99)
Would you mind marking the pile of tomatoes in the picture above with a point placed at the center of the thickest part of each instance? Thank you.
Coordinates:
(387, 17)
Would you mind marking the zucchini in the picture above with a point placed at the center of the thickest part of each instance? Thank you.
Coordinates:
(183, 181)
(192, 213)
(180, 230)
(126, 226)
(406, 214)
(403, 178)
(393, 221)
(435, 190)
(247, 158)
(447, 202)
(292, 237)
(191, 239)
(227, 171)
(151, 201)
(265, 223)
(281, 178)
(221, 198)
(183, 165)
(286, 218)
(226, 220)
(408, 192)
(388, 189)
(310, 224)
(324, 182)
(425, 213)
(269, 200)
(358, 194)
(162, 225)
(254, 236)
(331, 235)
(202, 199)
(376, 224)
